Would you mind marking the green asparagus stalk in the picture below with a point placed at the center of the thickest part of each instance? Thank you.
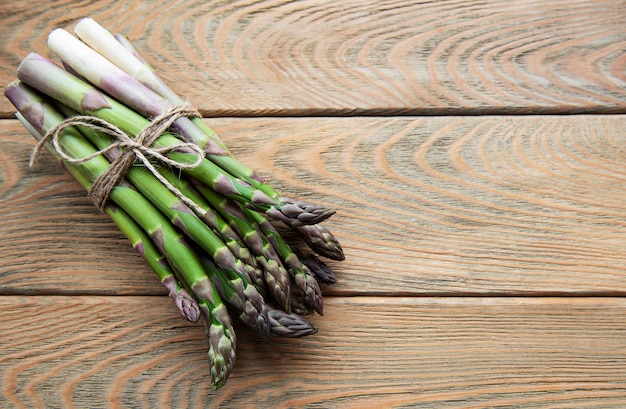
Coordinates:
(117, 83)
(221, 336)
(305, 282)
(172, 206)
(184, 218)
(239, 293)
(126, 56)
(275, 278)
(215, 235)
(185, 303)
(50, 79)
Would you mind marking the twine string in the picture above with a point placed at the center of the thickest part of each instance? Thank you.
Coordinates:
(126, 150)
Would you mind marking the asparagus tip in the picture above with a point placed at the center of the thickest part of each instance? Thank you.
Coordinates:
(289, 325)
(187, 306)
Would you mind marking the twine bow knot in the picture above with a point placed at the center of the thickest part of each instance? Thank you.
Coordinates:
(126, 149)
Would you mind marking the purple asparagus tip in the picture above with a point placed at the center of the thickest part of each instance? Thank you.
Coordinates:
(187, 306)
(289, 325)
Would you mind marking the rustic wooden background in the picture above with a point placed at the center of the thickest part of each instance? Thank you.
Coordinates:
(475, 154)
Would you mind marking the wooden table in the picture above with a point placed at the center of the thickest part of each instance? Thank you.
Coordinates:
(474, 152)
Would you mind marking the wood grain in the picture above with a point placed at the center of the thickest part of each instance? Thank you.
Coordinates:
(529, 205)
(485, 253)
(320, 57)
(135, 352)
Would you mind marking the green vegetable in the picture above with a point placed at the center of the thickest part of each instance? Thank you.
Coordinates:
(186, 304)
(207, 229)
(180, 256)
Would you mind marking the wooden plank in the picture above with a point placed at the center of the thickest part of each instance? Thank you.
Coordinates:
(369, 352)
(320, 57)
(451, 206)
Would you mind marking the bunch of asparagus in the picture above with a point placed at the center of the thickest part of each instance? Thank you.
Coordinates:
(218, 237)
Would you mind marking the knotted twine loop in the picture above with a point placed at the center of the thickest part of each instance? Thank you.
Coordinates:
(126, 150)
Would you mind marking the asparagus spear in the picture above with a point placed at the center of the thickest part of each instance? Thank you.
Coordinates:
(275, 278)
(289, 325)
(185, 303)
(50, 79)
(221, 336)
(239, 293)
(305, 282)
(113, 80)
(124, 55)
(322, 273)
(172, 206)
(320, 240)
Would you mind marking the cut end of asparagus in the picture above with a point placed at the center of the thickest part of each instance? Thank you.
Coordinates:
(23, 99)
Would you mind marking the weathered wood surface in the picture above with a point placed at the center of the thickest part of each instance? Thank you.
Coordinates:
(454, 205)
(320, 57)
(113, 352)
(456, 228)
